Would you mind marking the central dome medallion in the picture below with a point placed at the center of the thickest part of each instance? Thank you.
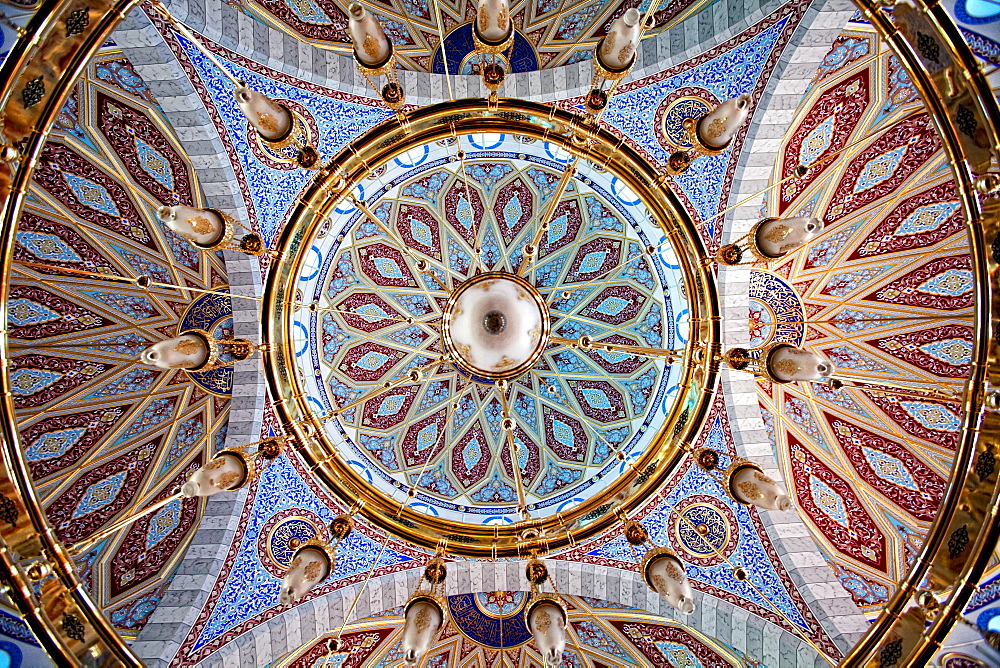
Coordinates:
(495, 326)
(491, 322)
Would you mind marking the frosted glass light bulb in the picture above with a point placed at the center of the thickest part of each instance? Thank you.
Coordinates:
(371, 46)
(181, 352)
(666, 575)
(199, 226)
(716, 129)
(310, 566)
(788, 363)
(777, 238)
(749, 485)
(270, 119)
(617, 49)
(547, 623)
(493, 20)
(222, 473)
(423, 620)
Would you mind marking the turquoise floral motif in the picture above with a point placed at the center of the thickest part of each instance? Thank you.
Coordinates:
(828, 501)
(817, 141)
(154, 163)
(100, 494)
(932, 416)
(951, 283)
(957, 352)
(890, 469)
(557, 477)
(23, 312)
(163, 523)
(880, 169)
(27, 381)
(48, 247)
(54, 444)
(927, 218)
(92, 194)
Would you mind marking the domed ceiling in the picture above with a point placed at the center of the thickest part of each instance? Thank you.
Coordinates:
(885, 293)
(102, 435)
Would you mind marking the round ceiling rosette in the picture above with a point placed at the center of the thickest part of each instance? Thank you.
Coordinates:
(493, 321)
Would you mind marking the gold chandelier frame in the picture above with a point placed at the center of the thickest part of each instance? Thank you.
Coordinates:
(579, 137)
(44, 65)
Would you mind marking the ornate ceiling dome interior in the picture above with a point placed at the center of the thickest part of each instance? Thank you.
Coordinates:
(493, 330)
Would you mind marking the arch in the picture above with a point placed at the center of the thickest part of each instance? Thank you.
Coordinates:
(829, 601)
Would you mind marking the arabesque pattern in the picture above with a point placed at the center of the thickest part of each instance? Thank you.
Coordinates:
(102, 435)
(886, 294)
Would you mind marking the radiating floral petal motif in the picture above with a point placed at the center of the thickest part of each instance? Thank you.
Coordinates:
(831, 504)
(890, 468)
(572, 412)
(944, 350)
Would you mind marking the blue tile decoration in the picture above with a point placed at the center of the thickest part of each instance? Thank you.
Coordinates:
(274, 190)
(726, 76)
(250, 589)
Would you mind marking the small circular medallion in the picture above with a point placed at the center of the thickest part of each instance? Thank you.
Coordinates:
(283, 534)
(703, 530)
(672, 130)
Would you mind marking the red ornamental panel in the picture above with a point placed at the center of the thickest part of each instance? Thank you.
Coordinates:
(645, 636)
(100, 494)
(891, 469)
(333, 30)
(944, 284)
(145, 151)
(945, 351)
(468, 222)
(514, 208)
(424, 439)
(153, 540)
(827, 128)
(38, 379)
(834, 509)
(56, 442)
(563, 227)
(356, 650)
(44, 241)
(529, 463)
(419, 230)
(919, 221)
(883, 167)
(934, 421)
(471, 457)
(66, 317)
(90, 193)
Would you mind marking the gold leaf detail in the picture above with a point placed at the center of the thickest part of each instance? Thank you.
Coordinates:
(227, 479)
(267, 121)
(750, 490)
(787, 367)
(312, 570)
(370, 46)
(422, 620)
(716, 128)
(778, 233)
(187, 347)
(626, 52)
(543, 621)
(200, 224)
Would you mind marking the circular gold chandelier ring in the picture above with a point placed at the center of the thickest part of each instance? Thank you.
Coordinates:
(699, 367)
